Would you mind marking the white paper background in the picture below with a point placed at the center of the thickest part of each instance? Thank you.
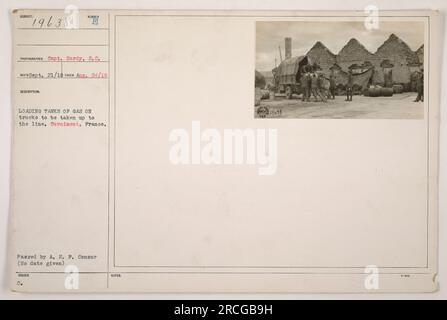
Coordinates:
(5, 126)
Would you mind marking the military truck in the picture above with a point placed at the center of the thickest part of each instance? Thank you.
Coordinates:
(287, 75)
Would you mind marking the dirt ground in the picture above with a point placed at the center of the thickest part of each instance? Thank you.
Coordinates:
(399, 106)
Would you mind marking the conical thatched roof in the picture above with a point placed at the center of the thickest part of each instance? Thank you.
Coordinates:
(420, 54)
(321, 56)
(354, 51)
(319, 52)
(420, 50)
(320, 48)
(394, 47)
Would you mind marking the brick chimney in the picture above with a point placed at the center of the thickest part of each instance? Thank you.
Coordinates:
(288, 47)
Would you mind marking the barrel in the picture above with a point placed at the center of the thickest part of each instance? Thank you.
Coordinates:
(386, 92)
(398, 88)
(374, 92)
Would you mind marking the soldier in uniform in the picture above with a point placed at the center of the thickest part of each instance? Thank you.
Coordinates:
(305, 85)
(420, 86)
(320, 87)
(349, 86)
(332, 86)
(314, 85)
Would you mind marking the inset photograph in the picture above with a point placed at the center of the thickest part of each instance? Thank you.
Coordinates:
(339, 70)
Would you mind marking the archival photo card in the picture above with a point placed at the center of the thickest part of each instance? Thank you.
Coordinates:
(340, 70)
(259, 152)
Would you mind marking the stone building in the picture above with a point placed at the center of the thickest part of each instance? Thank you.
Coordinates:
(393, 62)
(420, 54)
(321, 56)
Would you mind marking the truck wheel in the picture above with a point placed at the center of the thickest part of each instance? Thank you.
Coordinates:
(289, 92)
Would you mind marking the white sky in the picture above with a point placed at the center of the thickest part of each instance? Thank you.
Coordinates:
(334, 35)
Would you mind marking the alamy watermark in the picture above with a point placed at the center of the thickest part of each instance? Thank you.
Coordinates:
(71, 278)
(372, 20)
(371, 281)
(227, 147)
